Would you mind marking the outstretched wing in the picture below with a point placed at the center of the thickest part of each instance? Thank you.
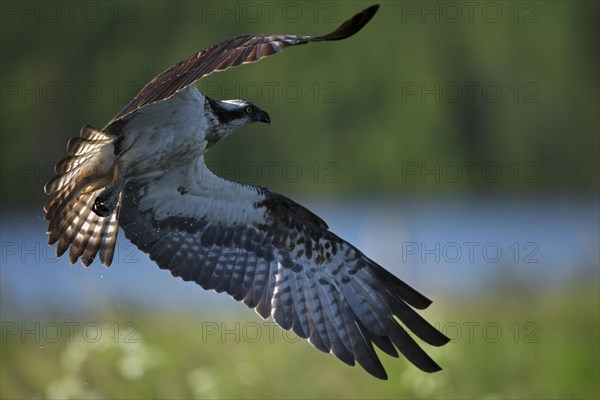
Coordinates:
(230, 53)
(280, 258)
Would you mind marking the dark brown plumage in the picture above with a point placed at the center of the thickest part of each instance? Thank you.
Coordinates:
(239, 50)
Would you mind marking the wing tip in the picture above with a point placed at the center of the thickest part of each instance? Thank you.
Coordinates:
(431, 368)
(353, 25)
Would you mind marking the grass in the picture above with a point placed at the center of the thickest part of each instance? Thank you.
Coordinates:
(507, 345)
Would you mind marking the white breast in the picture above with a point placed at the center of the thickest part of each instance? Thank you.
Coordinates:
(165, 134)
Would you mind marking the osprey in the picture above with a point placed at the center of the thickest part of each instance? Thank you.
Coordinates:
(145, 172)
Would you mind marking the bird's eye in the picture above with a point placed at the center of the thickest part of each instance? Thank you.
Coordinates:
(249, 110)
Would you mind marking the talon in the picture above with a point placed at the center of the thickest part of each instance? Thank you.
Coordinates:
(106, 201)
(100, 209)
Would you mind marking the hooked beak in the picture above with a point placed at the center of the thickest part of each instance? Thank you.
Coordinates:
(264, 117)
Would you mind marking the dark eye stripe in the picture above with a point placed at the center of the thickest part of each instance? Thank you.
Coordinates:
(224, 115)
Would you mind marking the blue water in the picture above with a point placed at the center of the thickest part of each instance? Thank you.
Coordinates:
(443, 247)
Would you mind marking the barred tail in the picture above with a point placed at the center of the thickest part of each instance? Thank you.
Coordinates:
(79, 179)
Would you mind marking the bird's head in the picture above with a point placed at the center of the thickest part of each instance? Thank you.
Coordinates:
(231, 115)
(244, 112)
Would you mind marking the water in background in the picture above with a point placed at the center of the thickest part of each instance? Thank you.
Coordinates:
(443, 247)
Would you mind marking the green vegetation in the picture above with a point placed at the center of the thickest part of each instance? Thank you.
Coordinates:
(547, 347)
(407, 89)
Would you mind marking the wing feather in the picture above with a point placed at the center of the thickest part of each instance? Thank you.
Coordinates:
(300, 324)
(279, 258)
(230, 53)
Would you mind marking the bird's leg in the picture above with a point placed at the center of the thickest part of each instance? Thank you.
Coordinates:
(108, 198)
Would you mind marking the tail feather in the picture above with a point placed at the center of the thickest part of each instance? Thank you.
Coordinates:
(85, 168)
(69, 163)
(70, 215)
(72, 228)
(91, 236)
(80, 165)
(80, 178)
(60, 181)
(107, 247)
(91, 133)
(78, 146)
(58, 200)
(102, 240)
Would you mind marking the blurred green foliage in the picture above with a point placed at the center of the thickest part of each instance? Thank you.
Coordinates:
(519, 345)
(357, 120)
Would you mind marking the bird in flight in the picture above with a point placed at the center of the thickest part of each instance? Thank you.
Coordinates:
(145, 172)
